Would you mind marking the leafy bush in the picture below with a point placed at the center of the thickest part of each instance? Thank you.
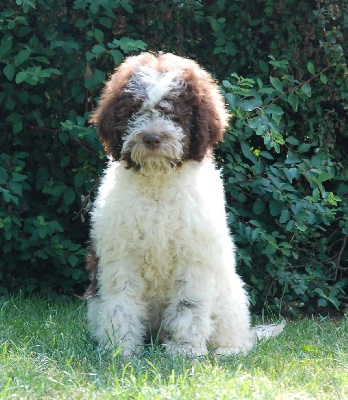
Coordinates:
(50, 157)
(283, 70)
(284, 198)
(285, 158)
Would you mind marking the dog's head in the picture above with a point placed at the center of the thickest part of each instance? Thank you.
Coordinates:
(158, 111)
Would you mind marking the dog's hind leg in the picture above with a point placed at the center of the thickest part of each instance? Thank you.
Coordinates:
(231, 320)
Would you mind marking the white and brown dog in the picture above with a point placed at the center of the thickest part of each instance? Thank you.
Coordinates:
(162, 258)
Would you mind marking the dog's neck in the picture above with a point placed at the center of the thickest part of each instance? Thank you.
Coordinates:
(160, 179)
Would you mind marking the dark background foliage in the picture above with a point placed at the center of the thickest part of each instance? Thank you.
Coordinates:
(283, 69)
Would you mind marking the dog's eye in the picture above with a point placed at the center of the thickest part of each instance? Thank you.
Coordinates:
(165, 105)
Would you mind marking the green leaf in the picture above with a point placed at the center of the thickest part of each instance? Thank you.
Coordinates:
(77, 273)
(65, 161)
(21, 76)
(259, 207)
(293, 101)
(323, 79)
(318, 159)
(218, 24)
(250, 105)
(9, 71)
(284, 216)
(107, 22)
(55, 226)
(18, 177)
(17, 127)
(304, 147)
(267, 155)
(99, 35)
(255, 223)
(73, 260)
(80, 178)
(117, 56)
(3, 176)
(310, 67)
(306, 89)
(275, 207)
(63, 137)
(10, 104)
(15, 188)
(292, 158)
(331, 198)
(274, 109)
(98, 49)
(97, 78)
(8, 197)
(247, 152)
(292, 173)
(316, 195)
(276, 83)
(127, 6)
(23, 31)
(14, 117)
(22, 56)
(264, 66)
(265, 182)
(290, 226)
(42, 231)
(324, 176)
(51, 71)
(231, 49)
(35, 99)
(322, 303)
(69, 196)
(6, 45)
(292, 140)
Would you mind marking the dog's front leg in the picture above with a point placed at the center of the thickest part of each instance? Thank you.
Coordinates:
(187, 319)
(118, 317)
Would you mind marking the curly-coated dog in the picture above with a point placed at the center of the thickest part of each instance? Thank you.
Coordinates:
(162, 258)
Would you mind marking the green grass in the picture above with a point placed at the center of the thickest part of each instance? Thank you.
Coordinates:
(46, 353)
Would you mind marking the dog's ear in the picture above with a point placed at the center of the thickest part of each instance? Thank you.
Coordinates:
(117, 105)
(209, 115)
(110, 118)
(112, 114)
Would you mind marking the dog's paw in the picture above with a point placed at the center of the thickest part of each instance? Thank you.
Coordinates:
(230, 351)
(124, 348)
(185, 349)
(243, 348)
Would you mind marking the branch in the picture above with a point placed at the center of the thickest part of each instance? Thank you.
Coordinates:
(340, 256)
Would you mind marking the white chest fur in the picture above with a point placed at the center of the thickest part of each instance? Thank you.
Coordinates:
(157, 222)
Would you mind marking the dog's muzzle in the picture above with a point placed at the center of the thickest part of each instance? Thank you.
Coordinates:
(152, 141)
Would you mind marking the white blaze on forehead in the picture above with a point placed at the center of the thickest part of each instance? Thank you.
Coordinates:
(152, 86)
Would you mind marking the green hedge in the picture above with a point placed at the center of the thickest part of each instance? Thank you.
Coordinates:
(283, 69)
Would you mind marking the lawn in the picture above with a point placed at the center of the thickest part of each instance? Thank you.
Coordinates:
(46, 353)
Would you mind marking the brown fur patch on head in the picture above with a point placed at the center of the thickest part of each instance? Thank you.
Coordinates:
(199, 109)
(209, 117)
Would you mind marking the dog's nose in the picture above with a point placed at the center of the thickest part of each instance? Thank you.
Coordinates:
(152, 141)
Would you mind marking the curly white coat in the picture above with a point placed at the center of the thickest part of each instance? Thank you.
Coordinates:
(166, 260)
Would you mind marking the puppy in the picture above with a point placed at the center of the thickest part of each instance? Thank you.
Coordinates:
(162, 258)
